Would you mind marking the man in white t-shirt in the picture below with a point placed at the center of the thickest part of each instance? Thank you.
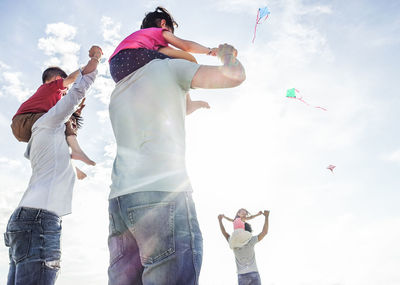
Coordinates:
(154, 233)
(34, 229)
(245, 256)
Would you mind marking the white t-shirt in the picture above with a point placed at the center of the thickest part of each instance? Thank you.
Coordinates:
(147, 112)
(52, 181)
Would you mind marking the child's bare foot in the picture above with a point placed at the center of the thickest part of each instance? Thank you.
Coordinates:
(80, 174)
(80, 155)
(195, 105)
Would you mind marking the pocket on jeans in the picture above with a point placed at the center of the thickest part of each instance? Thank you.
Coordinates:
(153, 229)
(20, 243)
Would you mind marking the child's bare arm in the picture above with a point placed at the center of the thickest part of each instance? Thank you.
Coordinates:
(253, 216)
(229, 219)
(188, 46)
(176, 53)
(70, 78)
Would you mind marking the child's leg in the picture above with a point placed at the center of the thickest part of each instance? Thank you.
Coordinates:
(76, 151)
(21, 125)
(192, 106)
(128, 61)
(177, 53)
(80, 174)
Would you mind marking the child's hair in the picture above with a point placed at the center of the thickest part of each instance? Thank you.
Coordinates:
(50, 72)
(153, 19)
(237, 213)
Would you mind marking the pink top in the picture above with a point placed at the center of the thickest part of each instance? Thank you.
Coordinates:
(150, 38)
(238, 224)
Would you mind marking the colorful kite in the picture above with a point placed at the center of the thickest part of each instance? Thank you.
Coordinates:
(331, 167)
(294, 94)
(262, 13)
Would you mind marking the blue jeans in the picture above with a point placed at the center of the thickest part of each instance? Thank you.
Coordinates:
(251, 278)
(154, 239)
(33, 236)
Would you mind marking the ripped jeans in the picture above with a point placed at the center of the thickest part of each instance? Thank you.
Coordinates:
(154, 239)
(33, 236)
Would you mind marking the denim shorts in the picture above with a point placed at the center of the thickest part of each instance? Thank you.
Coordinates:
(33, 236)
(154, 239)
(251, 278)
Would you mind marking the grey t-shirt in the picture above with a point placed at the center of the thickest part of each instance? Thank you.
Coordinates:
(245, 257)
(147, 112)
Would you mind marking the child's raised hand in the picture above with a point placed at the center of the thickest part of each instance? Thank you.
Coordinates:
(213, 51)
(95, 52)
(220, 217)
(266, 213)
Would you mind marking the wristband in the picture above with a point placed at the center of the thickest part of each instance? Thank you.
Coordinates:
(209, 51)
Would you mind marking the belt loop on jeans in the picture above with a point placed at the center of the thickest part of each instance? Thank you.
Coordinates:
(38, 214)
(19, 212)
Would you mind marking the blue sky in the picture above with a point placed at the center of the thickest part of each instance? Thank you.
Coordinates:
(254, 148)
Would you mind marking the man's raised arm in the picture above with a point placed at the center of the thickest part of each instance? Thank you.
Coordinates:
(265, 227)
(230, 74)
(221, 226)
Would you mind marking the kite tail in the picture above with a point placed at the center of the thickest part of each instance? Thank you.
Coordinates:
(301, 99)
(322, 108)
(255, 27)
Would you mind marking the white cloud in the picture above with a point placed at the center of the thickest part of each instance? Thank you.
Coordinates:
(60, 46)
(104, 85)
(111, 31)
(11, 83)
(12, 163)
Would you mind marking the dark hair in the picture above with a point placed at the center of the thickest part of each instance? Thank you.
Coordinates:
(247, 227)
(153, 19)
(51, 72)
(237, 213)
(77, 121)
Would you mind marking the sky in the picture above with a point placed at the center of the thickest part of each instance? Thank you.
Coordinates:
(254, 148)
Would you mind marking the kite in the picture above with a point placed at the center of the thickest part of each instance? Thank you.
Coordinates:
(294, 94)
(262, 13)
(331, 167)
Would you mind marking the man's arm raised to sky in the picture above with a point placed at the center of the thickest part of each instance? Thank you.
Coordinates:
(230, 74)
(221, 226)
(265, 227)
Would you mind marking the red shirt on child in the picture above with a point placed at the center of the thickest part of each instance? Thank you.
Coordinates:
(44, 98)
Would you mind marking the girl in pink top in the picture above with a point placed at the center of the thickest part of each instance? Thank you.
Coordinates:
(151, 42)
(241, 230)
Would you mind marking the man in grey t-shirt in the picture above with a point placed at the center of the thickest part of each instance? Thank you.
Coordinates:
(245, 256)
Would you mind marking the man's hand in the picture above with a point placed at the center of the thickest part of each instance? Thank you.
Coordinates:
(95, 52)
(266, 213)
(220, 217)
(225, 50)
